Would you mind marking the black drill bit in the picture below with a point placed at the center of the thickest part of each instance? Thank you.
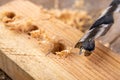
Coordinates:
(99, 28)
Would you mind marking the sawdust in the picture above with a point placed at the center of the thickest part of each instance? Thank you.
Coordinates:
(64, 53)
(78, 19)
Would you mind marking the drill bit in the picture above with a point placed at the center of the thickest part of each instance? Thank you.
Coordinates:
(100, 27)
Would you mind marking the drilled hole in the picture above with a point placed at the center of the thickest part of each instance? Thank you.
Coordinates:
(32, 28)
(10, 14)
(58, 47)
(80, 20)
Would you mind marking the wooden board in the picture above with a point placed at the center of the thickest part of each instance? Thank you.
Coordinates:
(22, 58)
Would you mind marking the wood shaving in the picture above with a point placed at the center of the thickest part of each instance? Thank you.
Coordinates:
(40, 35)
(78, 19)
(107, 44)
(64, 53)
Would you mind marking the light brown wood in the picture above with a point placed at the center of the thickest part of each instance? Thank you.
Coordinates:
(23, 59)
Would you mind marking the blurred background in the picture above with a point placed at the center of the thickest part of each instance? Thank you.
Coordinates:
(91, 8)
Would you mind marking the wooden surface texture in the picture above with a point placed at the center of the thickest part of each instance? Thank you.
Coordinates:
(23, 59)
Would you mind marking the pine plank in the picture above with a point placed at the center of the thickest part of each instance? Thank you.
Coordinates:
(23, 59)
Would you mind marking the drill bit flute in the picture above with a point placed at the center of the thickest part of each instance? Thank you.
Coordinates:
(99, 28)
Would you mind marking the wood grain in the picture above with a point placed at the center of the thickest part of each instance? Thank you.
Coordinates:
(23, 59)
